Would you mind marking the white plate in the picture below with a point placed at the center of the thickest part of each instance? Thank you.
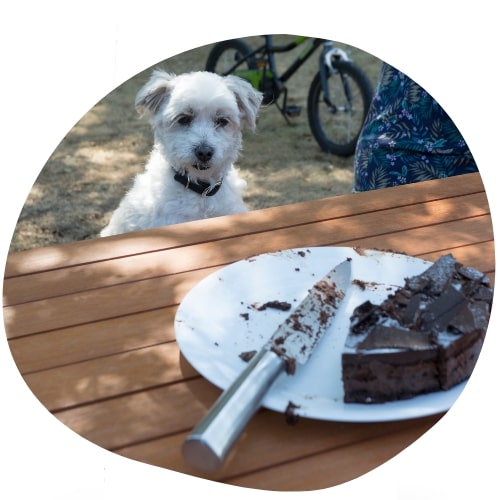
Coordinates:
(217, 321)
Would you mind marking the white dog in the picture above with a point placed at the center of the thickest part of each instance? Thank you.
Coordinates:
(197, 119)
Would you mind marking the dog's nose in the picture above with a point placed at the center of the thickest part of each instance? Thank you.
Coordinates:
(204, 152)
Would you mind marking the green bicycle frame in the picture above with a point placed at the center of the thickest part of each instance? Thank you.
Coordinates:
(266, 66)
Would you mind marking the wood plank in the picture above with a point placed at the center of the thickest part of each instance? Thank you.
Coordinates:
(443, 238)
(175, 260)
(261, 444)
(130, 426)
(333, 467)
(141, 416)
(97, 305)
(109, 376)
(76, 253)
(119, 300)
(480, 255)
(85, 342)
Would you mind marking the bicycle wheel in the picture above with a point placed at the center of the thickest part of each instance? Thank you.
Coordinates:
(224, 55)
(336, 125)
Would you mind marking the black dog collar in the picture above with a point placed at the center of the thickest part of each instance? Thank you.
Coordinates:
(200, 187)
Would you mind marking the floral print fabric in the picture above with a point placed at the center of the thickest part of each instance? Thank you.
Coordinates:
(407, 137)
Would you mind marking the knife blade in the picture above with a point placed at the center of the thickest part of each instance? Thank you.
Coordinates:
(208, 444)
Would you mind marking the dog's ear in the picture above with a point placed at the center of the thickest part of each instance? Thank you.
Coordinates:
(154, 92)
(247, 97)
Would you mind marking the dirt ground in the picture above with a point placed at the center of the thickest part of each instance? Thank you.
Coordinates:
(93, 166)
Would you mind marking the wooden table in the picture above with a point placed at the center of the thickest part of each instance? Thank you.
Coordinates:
(90, 326)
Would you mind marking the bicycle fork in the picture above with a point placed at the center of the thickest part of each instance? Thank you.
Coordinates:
(327, 68)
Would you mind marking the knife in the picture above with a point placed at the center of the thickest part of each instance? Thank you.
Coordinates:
(208, 444)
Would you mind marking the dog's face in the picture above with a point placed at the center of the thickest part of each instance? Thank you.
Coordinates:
(198, 117)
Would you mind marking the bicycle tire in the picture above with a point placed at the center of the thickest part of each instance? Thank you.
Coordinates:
(336, 128)
(226, 54)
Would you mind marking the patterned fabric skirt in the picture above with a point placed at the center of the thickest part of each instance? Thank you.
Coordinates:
(407, 137)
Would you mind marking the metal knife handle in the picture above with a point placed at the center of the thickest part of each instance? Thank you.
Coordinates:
(208, 444)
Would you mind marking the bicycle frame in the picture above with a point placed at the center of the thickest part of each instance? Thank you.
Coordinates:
(339, 84)
(311, 45)
(267, 51)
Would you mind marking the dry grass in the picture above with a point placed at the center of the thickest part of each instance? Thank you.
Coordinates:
(88, 173)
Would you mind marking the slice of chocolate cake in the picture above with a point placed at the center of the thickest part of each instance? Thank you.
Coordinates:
(425, 337)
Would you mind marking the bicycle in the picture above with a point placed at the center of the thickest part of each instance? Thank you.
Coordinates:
(339, 94)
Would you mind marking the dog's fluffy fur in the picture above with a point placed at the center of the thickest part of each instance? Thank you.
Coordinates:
(197, 119)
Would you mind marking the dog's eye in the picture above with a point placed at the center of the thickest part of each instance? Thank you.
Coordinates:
(220, 121)
(184, 120)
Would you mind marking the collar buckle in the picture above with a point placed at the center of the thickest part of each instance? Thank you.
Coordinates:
(200, 187)
(212, 188)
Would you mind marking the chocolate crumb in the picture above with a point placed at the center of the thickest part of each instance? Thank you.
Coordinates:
(247, 355)
(291, 417)
(245, 316)
(290, 363)
(273, 304)
(360, 283)
(290, 366)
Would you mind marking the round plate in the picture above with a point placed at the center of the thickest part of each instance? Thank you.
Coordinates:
(220, 319)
